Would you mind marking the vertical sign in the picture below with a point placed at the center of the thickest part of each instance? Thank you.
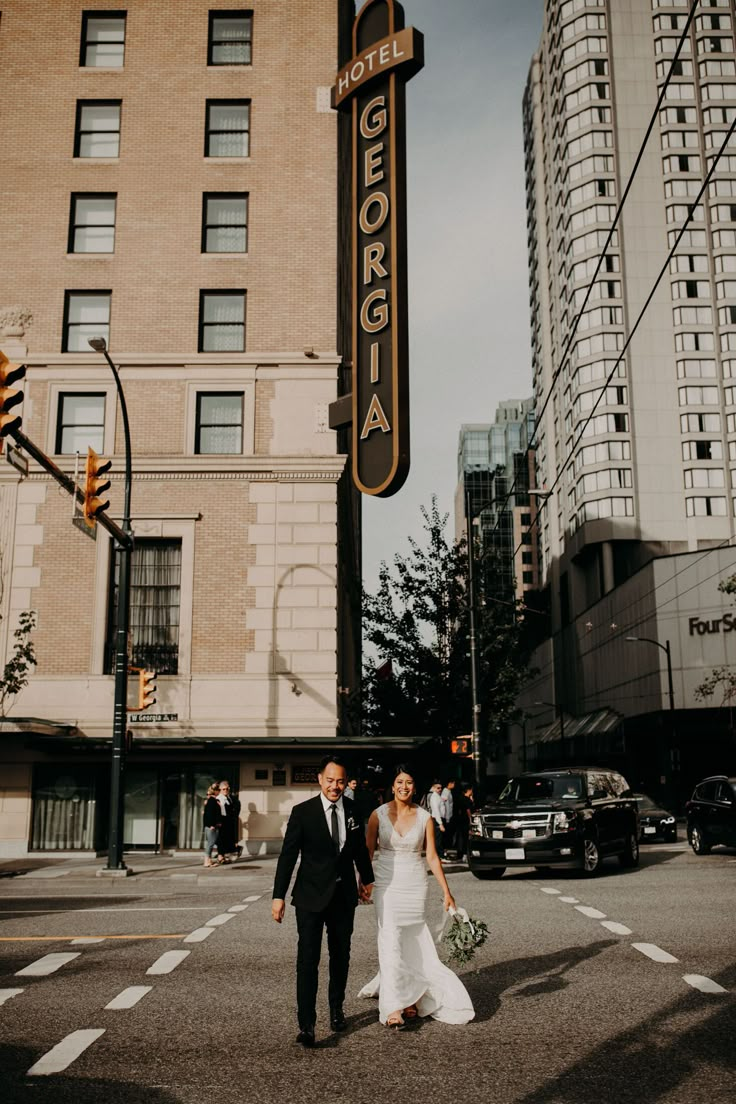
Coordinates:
(372, 86)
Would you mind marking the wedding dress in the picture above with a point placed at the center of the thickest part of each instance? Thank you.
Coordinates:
(410, 971)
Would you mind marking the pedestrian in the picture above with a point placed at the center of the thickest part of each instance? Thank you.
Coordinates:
(329, 841)
(365, 800)
(465, 807)
(448, 813)
(227, 843)
(435, 811)
(212, 819)
(351, 788)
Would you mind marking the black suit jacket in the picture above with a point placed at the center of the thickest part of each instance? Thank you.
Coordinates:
(308, 836)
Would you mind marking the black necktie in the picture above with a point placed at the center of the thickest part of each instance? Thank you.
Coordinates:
(335, 829)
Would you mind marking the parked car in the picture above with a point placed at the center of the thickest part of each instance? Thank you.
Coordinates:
(571, 818)
(711, 814)
(654, 821)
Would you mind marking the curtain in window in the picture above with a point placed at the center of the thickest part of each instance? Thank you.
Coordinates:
(226, 225)
(63, 808)
(155, 584)
(221, 423)
(228, 130)
(223, 323)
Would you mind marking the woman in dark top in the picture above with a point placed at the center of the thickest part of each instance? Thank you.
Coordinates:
(227, 841)
(212, 821)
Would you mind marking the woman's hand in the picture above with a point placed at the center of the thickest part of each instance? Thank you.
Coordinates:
(449, 902)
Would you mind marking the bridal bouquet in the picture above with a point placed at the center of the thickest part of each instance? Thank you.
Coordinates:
(463, 936)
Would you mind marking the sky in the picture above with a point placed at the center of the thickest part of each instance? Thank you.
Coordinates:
(469, 343)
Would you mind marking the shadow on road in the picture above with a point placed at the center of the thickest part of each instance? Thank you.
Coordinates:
(61, 1088)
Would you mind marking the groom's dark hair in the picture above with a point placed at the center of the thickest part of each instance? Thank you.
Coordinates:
(336, 759)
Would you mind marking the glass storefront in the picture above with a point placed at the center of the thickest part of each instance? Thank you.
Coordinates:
(162, 809)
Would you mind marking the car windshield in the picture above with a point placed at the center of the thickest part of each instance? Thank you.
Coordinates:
(542, 788)
(645, 802)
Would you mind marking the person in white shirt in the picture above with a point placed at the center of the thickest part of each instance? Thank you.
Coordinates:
(436, 811)
(448, 813)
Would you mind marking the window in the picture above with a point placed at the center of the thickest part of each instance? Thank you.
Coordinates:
(80, 422)
(705, 507)
(219, 427)
(224, 222)
(227, 128)
(103, 40)
(155, 588)
(92, 222)
(230, 38)
(222, 321)
(97, 132)
(702, 450)
(86, 314)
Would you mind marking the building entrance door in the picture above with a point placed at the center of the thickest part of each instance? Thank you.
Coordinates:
(141, 815)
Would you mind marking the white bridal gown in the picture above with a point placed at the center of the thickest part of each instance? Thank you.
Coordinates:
(410, 970)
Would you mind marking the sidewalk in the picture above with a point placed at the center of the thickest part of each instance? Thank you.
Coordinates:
(186, 866)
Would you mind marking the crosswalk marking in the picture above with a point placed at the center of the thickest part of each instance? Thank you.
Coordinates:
(65, 1052)
(129, 997)
(6, 994)
(48, 964)
(167, 962)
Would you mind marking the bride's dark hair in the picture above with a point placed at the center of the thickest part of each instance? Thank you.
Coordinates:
(402, 768)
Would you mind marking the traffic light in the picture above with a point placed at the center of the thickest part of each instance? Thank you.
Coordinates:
(9, 396)
(146, 689)
(462, 746)
(95, 485)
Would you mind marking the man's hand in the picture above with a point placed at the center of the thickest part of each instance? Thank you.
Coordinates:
(277, 909)
(364, 891)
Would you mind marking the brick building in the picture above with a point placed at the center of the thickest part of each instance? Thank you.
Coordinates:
(170, 182)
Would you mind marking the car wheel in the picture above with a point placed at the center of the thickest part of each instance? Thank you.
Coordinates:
(630, 854)
(698, 840)
(591, 857)
(486, 875)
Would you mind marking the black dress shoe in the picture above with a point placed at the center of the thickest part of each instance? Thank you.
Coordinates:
(337, 1020)
(306, 1036)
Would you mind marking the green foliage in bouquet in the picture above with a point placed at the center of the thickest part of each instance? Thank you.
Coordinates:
(463, 937)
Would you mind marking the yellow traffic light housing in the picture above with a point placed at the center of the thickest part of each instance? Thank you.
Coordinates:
(95, 485)
(9, 396)
(146, 689)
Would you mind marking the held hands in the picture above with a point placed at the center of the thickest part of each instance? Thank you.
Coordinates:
(364, 891)
(278, 908)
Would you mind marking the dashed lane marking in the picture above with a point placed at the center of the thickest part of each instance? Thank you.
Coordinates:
(547, 889)
(593, 913)
(167, 962)
(218, 921)
(85, 938)
(88, 939)
(129, 997)
(6, 994)
(237, 908)
(704, 984)
(617, 929)
(198, 935)
(64, 1053)
(651, 950)
(48, 964)
(568, 900)
(256, 898)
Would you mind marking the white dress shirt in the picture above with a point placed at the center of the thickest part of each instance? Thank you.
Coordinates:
(327, 806)
(435, 805)
(447, 804)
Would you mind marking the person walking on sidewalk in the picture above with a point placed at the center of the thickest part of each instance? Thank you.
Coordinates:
(212, 818)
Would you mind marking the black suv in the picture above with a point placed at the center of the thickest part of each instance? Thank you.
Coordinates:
(570, 818)
(711, 814)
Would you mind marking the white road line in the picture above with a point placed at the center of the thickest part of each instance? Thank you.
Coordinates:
(198, 935)
(237, 908)
(256, 898)
(217, 921)
(48, 964)
(568, 900)
(65, 1052)
(617, 929)
(167, 962)
(704, 984)
(546, 889)
(594, 914)
(6, 994)
(651, 950)
(129, 997)
(89, 939)
(158, 908)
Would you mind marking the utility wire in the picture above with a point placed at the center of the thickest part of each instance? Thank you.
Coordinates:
(611, 232)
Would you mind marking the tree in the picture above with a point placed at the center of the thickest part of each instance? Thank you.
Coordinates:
(17, 669)
(723, 677)
(418, 619)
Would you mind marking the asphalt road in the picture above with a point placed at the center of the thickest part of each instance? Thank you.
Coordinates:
(619, 988)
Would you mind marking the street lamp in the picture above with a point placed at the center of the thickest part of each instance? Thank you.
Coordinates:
(477, 765)
(120, 711)
(666, 649)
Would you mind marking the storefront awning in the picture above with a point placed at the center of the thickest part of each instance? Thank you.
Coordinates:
(588, 724)
(36, 726)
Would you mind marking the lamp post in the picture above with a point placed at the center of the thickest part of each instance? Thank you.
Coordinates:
(117, 770)
(477, 764)
(671, 693)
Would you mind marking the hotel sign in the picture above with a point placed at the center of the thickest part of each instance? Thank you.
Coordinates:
(372, 87)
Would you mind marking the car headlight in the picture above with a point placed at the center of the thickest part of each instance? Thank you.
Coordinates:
(668, 820)
(563, 822)
(476, 825)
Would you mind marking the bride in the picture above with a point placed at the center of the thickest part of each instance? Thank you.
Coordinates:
(411, 980)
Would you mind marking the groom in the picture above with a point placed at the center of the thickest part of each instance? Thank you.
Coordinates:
(330, 839)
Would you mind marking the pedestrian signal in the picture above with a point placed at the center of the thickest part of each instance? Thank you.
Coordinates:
(95, 486)
(9, 396)
(462, 746)
(146, 689)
